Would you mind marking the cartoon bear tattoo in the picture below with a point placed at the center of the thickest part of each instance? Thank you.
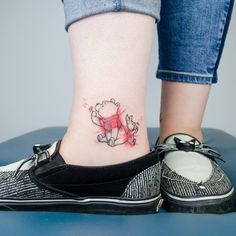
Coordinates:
(113, 131)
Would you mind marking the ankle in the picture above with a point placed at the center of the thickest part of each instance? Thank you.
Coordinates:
(105, 132)
(81, 151)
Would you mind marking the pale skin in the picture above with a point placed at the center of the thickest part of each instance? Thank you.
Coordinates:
(109, 62)
(182, 108)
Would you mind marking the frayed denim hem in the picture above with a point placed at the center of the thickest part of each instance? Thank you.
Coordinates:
(186, 78)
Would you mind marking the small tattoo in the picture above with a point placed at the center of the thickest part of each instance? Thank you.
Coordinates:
(85, 104)
(113, 130)
(160, 117)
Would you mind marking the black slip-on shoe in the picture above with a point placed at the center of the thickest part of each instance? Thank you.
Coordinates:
(45, 182)
(191, 179)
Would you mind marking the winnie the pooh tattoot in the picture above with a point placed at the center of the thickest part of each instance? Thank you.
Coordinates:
(113, 130)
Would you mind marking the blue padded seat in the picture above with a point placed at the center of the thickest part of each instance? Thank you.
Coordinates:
(164, 223)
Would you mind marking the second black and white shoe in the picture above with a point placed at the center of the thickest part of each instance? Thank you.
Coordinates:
(45, 182)
(191, 180)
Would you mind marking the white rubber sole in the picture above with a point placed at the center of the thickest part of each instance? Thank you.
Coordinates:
(88, 205)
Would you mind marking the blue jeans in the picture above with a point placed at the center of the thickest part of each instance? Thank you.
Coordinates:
(191, 33)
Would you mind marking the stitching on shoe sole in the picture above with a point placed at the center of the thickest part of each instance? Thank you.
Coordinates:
(86, 200)
(200, 198)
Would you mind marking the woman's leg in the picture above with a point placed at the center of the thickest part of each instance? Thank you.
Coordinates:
(191, 37)
(191, 40)
(110, 55)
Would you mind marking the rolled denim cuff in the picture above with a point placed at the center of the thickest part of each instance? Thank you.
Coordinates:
(78, 9)
(186, 77)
